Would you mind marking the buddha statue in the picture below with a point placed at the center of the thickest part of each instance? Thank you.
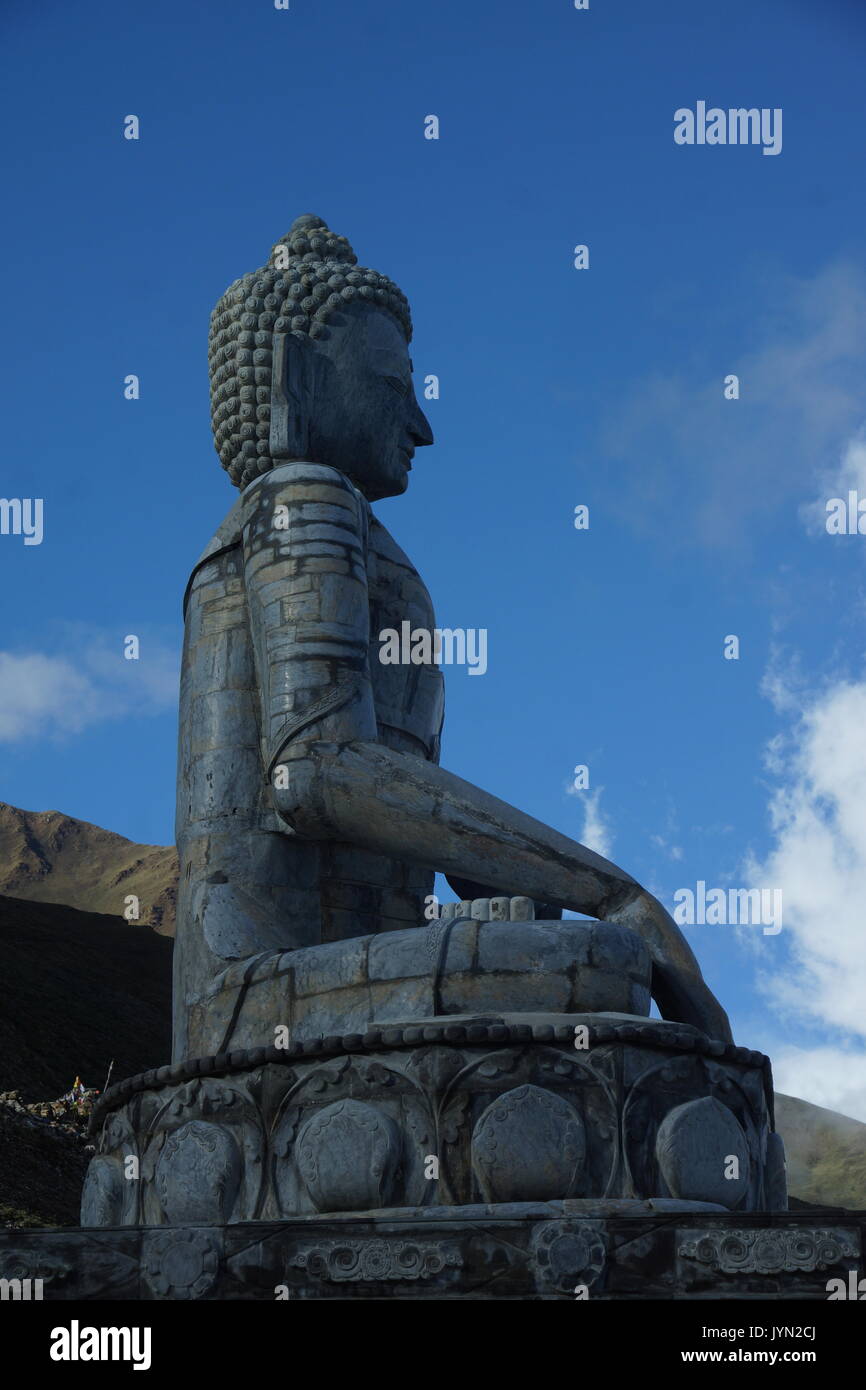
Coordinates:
(311, 806)
(334, 1051)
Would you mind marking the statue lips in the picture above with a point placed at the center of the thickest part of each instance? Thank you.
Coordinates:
(409, 454)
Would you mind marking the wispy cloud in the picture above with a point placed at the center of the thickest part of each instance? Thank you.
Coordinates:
(82, 680)
(674, 852)
(596, 834)
(728, 463)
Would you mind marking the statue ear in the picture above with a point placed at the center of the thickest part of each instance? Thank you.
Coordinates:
(292, 385)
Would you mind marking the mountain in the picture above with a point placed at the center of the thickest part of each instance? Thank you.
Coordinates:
(51, 858)
(42, 1168)
(825, 1153)
(79, 989)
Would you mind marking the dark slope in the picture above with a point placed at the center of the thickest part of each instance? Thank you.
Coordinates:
(79, 989)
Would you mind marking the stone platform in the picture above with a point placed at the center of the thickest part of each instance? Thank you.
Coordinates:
(537, 1251)
(526, 1156)
(440, 1112)
(459, 966)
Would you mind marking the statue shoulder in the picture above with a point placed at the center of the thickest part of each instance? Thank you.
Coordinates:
(227, 533)
(331, 496)
(307, 481)
(226, 537)
(292, 483)
(299, 471)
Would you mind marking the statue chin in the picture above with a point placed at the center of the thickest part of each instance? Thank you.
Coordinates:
(374, 478)
(386, 483)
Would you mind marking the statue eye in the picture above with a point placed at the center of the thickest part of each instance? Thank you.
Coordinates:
(397, 384)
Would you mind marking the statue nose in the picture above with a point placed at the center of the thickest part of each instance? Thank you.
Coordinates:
(419, 427)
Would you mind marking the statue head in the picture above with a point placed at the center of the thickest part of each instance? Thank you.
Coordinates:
(309, 359)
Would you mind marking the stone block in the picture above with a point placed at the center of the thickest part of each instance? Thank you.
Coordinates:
(401, 999)
(495, 992)
(339, 1012)
(399, 955)
(332, 966)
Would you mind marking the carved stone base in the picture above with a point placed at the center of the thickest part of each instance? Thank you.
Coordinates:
(445, 1113)
(554, 1250)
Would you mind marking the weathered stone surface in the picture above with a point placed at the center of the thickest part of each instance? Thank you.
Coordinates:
(348, 1155)
(452, 967)
(776, 1184)
(657, 1088)
(703, 1153)
(541, 1250)
(509, 1110)
(181, 1264)
(528, 1145)
(788, 1249)
(198, 1174)
(374, 1261)
(102, 1195)
(567, 1254)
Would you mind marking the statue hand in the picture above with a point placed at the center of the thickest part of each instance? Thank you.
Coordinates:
(678, 986)
(497, 908)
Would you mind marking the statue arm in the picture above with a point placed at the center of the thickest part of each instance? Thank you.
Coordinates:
(306, 583)
(396, 804)
(332, 779)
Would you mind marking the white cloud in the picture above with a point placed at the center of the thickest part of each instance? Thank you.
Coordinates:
(828, 1076)
(84, 680)
(36, 691)
(848, 474)
(818, 817)
(596, 828)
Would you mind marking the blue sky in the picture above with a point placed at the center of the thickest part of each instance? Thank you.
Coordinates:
(558, 387)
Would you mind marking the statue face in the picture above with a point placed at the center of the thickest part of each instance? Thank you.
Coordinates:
(366, 420)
